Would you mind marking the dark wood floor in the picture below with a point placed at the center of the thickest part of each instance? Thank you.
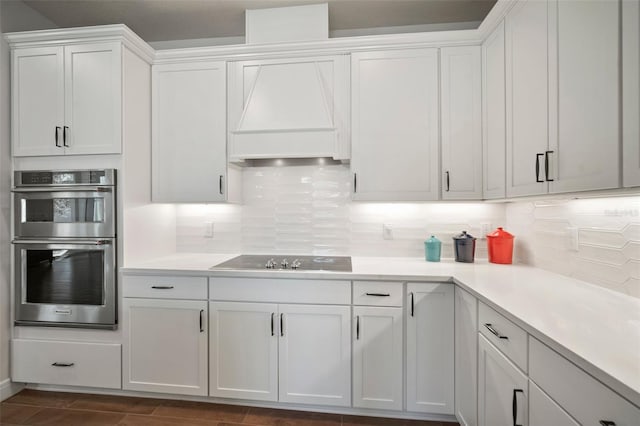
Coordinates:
(31, 407)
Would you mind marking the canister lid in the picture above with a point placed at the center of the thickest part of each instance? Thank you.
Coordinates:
(464, 236)
(432, 240)
(500, 233)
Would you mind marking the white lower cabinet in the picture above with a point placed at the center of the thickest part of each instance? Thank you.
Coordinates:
(243, 352)
(466, 358)
(377, 357)
(430, 320)
(165, 346)
(286, 353)
(502, 388)
(543, 411)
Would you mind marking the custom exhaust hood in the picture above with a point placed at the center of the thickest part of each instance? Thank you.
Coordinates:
(288, 108)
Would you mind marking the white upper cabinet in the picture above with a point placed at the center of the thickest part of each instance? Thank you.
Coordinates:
(527, 98)
(189, 134)
(289, 108)
(631, 92)
(461, 112)
(67, 100)
(394, 102)
(584, 139)
(494, 115)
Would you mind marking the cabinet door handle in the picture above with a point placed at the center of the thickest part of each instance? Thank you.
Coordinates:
(378, 294)
(201, 321)
(607, 423)
(273, 333)
(64, 136)
(514, 406)
(546, 166)
(538, 168)
(281, 325)
(220, 181)
(358, 327)
(495, 332)
(162, 287)
(447, 174)
(412, 304)
(56, 137)
(63, 364)
(355, 183)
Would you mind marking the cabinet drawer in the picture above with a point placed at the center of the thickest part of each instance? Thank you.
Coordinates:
(505, 335)
(164, 287)
(377, 293)
(280, 290)
(582, 396)
(66, 363)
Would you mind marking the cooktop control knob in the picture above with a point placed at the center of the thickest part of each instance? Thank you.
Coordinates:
(271, 264)
(296, 264)
(284, 264)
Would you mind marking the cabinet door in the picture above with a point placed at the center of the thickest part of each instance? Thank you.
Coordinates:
(38, 101)
(502, 388)
(527, 97)
(543, 411)
(93, 98)
(430, 337)
(584, 142)
(494, 111)
(395, 125)
(165, 346)
(315, 354)
(189, 132)
(631, 92)
(461, 123)
(244, 350)
(466, 358)
(377, 357)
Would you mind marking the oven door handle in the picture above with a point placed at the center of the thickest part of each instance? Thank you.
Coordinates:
(78, 188)
(85, 242)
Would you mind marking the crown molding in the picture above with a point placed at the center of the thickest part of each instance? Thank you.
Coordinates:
(494, 17)
(66, 36)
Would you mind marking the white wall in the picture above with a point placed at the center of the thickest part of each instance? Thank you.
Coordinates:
(14, 16)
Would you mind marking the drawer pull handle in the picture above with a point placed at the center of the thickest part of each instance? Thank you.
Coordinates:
(607, 423)
(514, 406)
(494, 332)
(162, 287)
(273, 333)
(358, 327)
(63, 364)
(378, 294)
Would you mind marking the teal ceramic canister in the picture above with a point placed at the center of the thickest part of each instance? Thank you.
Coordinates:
(432, 249)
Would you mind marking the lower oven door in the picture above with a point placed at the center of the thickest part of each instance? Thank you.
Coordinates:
(65, 283)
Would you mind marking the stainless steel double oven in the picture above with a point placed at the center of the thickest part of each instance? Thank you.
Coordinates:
(65, 248)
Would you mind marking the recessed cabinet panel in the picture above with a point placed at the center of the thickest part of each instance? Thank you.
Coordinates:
(585, 147)
(631, 92)
(93, 102)
(395, 117)
(466, 357)
(377, 357)
(38, 101)
(315, 354)
(430, 348)
(494, 144)
(189, 132)
(461, 111)
(244, 350)
(527, 98)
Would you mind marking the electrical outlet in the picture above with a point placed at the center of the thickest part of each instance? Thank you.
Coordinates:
(387, 231)
(572, 239)
(208, 229)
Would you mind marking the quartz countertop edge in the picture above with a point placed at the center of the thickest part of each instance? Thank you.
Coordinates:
(596, 328)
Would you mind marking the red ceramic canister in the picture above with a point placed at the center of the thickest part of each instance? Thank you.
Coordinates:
(500, 244)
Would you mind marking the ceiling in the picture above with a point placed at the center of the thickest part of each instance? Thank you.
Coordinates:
(159, 20)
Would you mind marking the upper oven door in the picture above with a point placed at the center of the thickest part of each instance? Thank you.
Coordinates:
(69, 212)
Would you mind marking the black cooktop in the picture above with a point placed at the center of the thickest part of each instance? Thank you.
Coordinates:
(287, 262)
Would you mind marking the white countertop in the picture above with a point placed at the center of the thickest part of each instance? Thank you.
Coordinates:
(594, 327)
